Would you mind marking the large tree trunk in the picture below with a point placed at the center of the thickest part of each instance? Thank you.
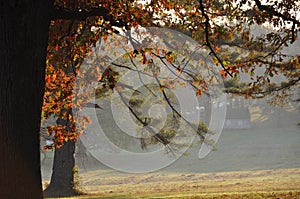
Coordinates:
(23, 43)
(62, 178)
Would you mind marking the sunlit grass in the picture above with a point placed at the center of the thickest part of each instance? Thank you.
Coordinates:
(235, 195)
(257, 115)
(283, 183)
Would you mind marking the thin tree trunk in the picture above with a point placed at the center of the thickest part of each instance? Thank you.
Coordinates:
(23, 42)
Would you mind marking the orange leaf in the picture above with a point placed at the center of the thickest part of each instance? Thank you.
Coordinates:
(198, 92)
(217, 49)
(223, 73)
(105, 37)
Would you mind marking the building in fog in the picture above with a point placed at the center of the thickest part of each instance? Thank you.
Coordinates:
(237, 114)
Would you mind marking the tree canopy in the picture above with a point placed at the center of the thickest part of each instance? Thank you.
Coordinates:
(226, 29)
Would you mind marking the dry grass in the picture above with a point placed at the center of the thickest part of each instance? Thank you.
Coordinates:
(283, 183)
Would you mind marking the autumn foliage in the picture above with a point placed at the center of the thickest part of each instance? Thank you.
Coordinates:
(223, 28)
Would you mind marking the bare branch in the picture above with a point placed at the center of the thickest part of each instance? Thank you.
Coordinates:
(175, 111)
(157, 136)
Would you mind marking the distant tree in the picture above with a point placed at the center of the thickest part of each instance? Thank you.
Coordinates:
(223, 28)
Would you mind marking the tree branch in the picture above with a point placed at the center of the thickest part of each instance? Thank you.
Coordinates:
(157, 136)
(175, 111)
(206, 23)
(265, 92)
(59, 13)
(269, 9)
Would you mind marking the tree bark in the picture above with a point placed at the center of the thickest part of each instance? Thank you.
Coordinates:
(23, 47)
(62, 178)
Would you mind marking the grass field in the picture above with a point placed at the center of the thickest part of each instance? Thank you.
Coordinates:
(258, 195)
(247, 164)
(280, 183)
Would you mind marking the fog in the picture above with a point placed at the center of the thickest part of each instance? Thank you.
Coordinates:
(270, 142)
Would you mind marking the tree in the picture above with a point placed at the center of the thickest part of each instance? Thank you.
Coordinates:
(71, 38)
(24, 36)
(70, 41)
(23, 41)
